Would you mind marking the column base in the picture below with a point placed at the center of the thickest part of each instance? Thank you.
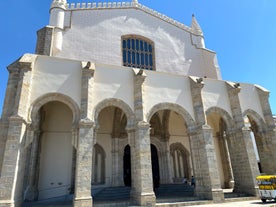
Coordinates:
(216, 195)
(143, 199)
(7, 203)
(83, 202)
(250, 191)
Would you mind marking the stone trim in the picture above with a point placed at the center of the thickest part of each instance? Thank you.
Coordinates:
(42, 100)
(128, 5)
(117, 103)
(257, 118)
(190, 123)
(227, 118)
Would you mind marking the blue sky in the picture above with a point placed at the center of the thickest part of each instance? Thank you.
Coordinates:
(241, 32)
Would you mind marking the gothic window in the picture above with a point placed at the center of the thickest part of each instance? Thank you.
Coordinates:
(138, 52)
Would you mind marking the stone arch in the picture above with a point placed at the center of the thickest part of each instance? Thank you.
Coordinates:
(185, 153)
(257, 118)
(117, 103)
(260, 140)
(49, 97)
(189, 121)
(224, 114)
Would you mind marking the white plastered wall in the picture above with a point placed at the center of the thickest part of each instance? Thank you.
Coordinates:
(98, 34)
(249, 98)
(214, 94)
(55, 75)
(113, 82)
(165, 88)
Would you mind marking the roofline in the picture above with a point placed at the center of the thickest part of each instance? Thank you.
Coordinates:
(127, 5)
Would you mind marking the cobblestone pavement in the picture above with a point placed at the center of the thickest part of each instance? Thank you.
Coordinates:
(249, 203)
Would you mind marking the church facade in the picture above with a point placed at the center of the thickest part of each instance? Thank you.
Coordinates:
(118, 94)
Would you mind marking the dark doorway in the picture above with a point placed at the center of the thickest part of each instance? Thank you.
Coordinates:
(127, 166)
(155, 167)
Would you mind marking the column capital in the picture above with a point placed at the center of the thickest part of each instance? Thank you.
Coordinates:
(86, 123)
(142, 125)
(18, 119)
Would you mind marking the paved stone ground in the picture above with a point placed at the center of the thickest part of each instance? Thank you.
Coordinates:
(249, 203)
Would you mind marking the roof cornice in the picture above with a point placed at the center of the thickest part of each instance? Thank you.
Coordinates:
(128, 5)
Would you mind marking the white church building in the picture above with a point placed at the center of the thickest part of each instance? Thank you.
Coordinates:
(118, 94)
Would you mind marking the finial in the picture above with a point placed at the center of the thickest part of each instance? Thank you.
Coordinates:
(59, 3)
(196, 29)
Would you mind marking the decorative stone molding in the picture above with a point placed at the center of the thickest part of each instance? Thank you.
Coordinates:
(25, 62)
(176, 108)
(86, 123)
(44, 99)
(117, 103)
(227, 118)
(134, 4)
(62, 4)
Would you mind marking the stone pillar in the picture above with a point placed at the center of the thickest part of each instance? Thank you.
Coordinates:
(33, 136)
(86, 138)
(12, 172)
(205, 167)
(226, 163)
(244, 163)
(84, 164)
(14, 75)
(168, 164)
(11, 181)
(142, 189)
(115, 163)
(203, 150)
(269, 139)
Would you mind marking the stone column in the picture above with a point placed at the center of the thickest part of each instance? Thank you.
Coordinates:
(14, 75)
(168, 164)
(12, 172)
(33, 136)
(244, 163)
(11, 181)
(269, 139)
(142, 189)
(227, 168)
(115, 162)
(83, 194)
(203, 150)
(205, 165)
(84, 164)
